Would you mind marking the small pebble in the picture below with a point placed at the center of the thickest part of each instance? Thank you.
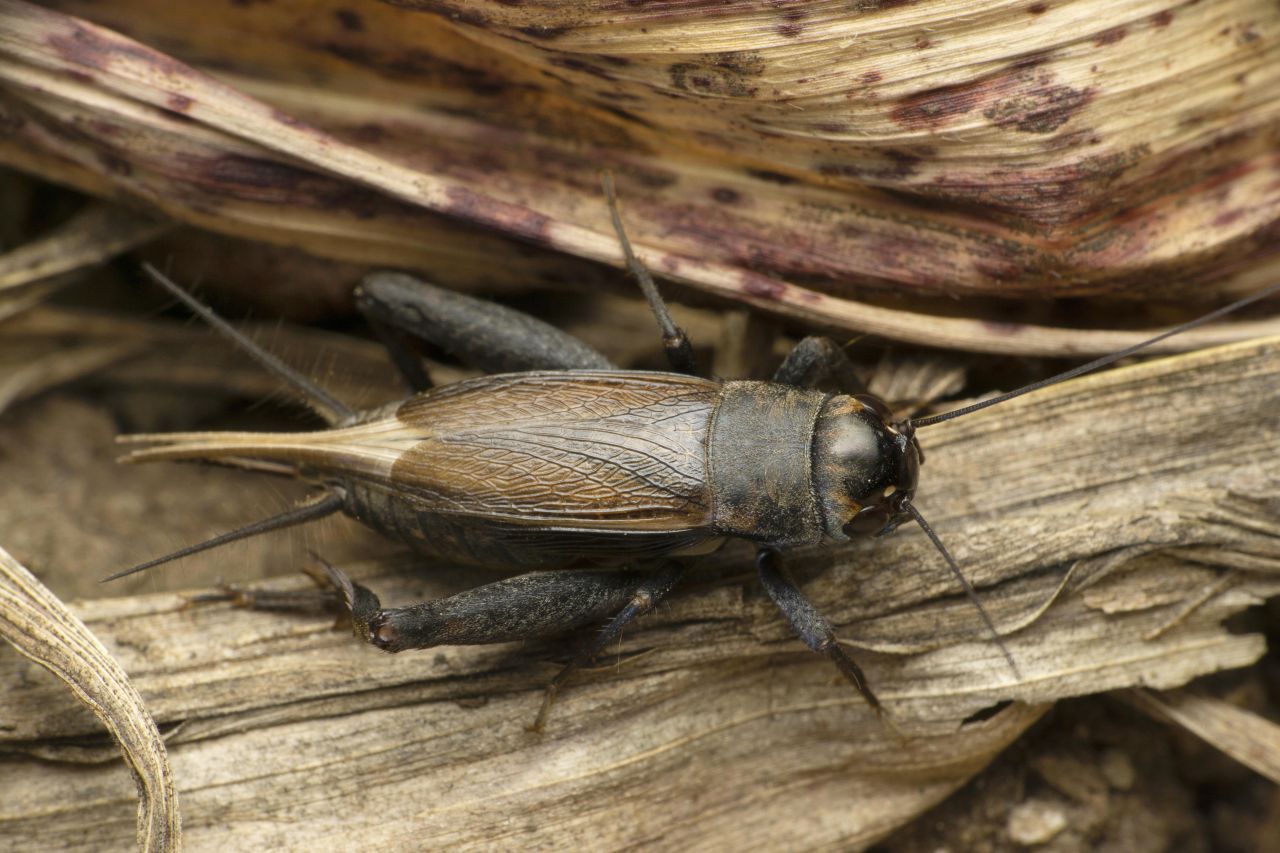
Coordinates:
(1118, 769)
(1035, 822)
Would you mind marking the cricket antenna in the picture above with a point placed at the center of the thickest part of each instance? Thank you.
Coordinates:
(319, 400)
(1103, 361)
(325, 506)
(910, 509)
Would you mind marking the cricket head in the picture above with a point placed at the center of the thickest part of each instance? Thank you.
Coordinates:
(865, 467)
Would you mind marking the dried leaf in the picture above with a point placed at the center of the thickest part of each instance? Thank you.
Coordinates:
(97, 233)
(42, 629)
(914, 382)
(765, 207)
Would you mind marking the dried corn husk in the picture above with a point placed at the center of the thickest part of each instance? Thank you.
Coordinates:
(1069, 147)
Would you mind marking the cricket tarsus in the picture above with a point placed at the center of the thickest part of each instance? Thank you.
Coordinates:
(325, 506)
(674, 340)
(809, 624)
(323, 598)
(1102, 361)
(321, 401)
(909, 508)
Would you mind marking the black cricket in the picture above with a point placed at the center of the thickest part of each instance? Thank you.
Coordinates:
(561, 461)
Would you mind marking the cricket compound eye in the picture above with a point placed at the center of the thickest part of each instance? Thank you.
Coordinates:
(869, 521)
(857, 462)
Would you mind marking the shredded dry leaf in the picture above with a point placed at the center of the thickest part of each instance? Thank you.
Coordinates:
(1129, 148)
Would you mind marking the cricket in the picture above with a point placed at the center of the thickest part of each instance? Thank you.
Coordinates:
(600, 484)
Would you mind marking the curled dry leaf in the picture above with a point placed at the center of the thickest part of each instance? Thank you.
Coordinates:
(783, 157)
(42, 628)
(1072, 509)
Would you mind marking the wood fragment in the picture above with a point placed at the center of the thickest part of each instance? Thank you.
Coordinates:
(712, 725)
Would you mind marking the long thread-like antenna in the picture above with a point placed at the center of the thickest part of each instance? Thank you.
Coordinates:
(968, 588)
(1103, 361)
(321, 401)
(325, 506)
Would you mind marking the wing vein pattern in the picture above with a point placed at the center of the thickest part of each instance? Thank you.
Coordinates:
(596, 450)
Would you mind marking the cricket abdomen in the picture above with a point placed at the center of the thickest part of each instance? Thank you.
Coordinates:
(544, 469)
(479, 541)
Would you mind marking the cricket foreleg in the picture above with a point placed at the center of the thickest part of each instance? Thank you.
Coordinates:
(815, 360)
(484, 335)
(675, 342)
(644, 598)
(809, 624)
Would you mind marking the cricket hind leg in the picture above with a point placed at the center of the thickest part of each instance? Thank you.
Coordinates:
(324, 598)
(525, 607)
(819, 359)
(484, 335)
(809, 624)
(644, 599)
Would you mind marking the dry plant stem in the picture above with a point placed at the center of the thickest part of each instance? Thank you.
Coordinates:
(45, 631)
(714, 726)
(46, 57)
(97, 233)
(51, 369)
(185, 355)
(1252, 740)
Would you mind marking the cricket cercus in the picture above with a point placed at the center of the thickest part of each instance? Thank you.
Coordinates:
(560, 461)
